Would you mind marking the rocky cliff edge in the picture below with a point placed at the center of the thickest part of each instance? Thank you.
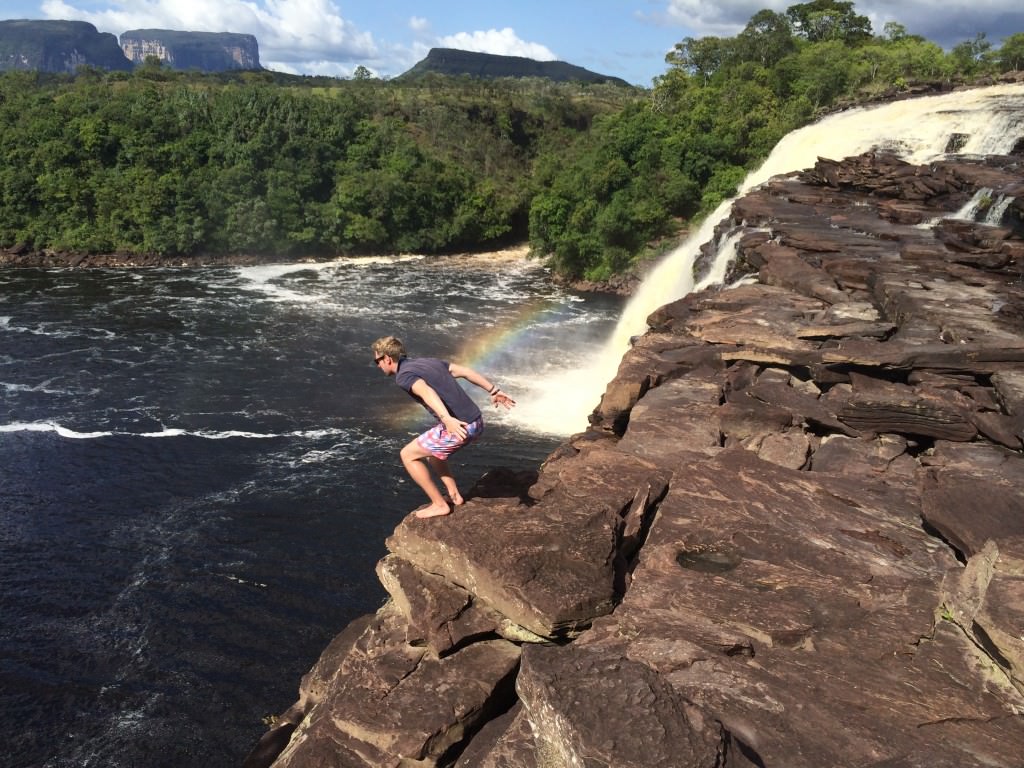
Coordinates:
(792, 536)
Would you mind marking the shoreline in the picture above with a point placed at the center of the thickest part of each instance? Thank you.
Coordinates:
(15, 258)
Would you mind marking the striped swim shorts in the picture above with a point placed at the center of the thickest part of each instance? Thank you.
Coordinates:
(440, 443)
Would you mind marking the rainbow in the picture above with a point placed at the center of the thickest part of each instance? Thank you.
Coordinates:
(488, 352)
(484, 350)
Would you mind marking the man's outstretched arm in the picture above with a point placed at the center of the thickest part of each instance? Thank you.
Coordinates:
(497, 396)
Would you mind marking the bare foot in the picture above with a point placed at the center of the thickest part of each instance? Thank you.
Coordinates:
(453, 496)
(430, 510)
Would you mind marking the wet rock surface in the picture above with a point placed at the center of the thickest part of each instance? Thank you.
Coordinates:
(793, 534)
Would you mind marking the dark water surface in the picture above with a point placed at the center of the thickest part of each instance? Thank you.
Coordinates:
(198, 469)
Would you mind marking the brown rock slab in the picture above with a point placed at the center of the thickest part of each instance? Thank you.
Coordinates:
(970, 506)
(986, 599)
(517, 559)
(756, 316)
(675, 420)
(591, 709)
(804, 407)
(438, 612)
(784, 267)
(883, 406)
(1009, 385)
(778, 605)
(434, 707)
(506, 742)
(787, 449)
(885, 455)
(389, 704)
(650, 361)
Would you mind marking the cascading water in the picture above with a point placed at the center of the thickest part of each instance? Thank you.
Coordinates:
(969, 210)
(982, 121)
(997, 210)
(981, 201)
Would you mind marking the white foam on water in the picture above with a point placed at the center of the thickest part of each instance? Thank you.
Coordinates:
(42, 388)
(48, 426)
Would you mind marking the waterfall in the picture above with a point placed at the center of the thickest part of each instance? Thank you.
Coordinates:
(981, 121)
(970, 209)
(982, 200)
(997, 210)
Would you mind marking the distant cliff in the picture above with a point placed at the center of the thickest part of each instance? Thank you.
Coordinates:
(63, 46)
(205, 51)
(57, 46)
(449, 61)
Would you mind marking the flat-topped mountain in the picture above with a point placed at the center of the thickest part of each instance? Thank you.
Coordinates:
(57, 46)
(205, 51)
(63, 46)
(451, 61)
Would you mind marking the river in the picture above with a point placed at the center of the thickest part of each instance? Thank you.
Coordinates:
(198, 470)
(199, 467)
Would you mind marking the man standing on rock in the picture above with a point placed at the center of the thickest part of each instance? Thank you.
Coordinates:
(433, 384)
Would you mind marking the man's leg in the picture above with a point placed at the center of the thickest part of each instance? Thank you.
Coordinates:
(440, 467)
(412, 459)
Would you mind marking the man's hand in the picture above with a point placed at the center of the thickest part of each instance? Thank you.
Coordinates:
(500, 398)
(456, 427)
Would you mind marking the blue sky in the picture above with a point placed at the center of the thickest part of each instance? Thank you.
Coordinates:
(623, 38)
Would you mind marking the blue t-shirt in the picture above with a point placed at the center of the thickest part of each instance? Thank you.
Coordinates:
(437, 376)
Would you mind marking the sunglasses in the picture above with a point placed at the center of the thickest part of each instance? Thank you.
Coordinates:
(376, 360)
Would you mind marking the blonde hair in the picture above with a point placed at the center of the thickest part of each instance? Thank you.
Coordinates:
(390, 346)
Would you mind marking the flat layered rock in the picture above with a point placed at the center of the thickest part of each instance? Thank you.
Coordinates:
(676, 419)
(505, 742)
(973, 500)
(591, 709)
(880, 406)
(792, 535)
(782, 603)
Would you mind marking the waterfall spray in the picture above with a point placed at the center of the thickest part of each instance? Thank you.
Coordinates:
(982, 121)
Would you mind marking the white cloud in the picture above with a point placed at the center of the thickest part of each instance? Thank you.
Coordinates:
(324, 68)
(948, 23)
(294, 36)
(503, 42)
(721, 18)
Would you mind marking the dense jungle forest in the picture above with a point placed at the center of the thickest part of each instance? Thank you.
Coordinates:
(595, 177)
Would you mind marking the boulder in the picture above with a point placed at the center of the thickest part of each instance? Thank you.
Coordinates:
(388, 702)
(525, 567)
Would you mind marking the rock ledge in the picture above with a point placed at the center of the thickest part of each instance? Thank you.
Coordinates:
(792, 536)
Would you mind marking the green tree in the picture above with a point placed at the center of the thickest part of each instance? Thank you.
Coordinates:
(970, 56)
(701, 57)
(825, 20)
(1010, 56)
(766, 39)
